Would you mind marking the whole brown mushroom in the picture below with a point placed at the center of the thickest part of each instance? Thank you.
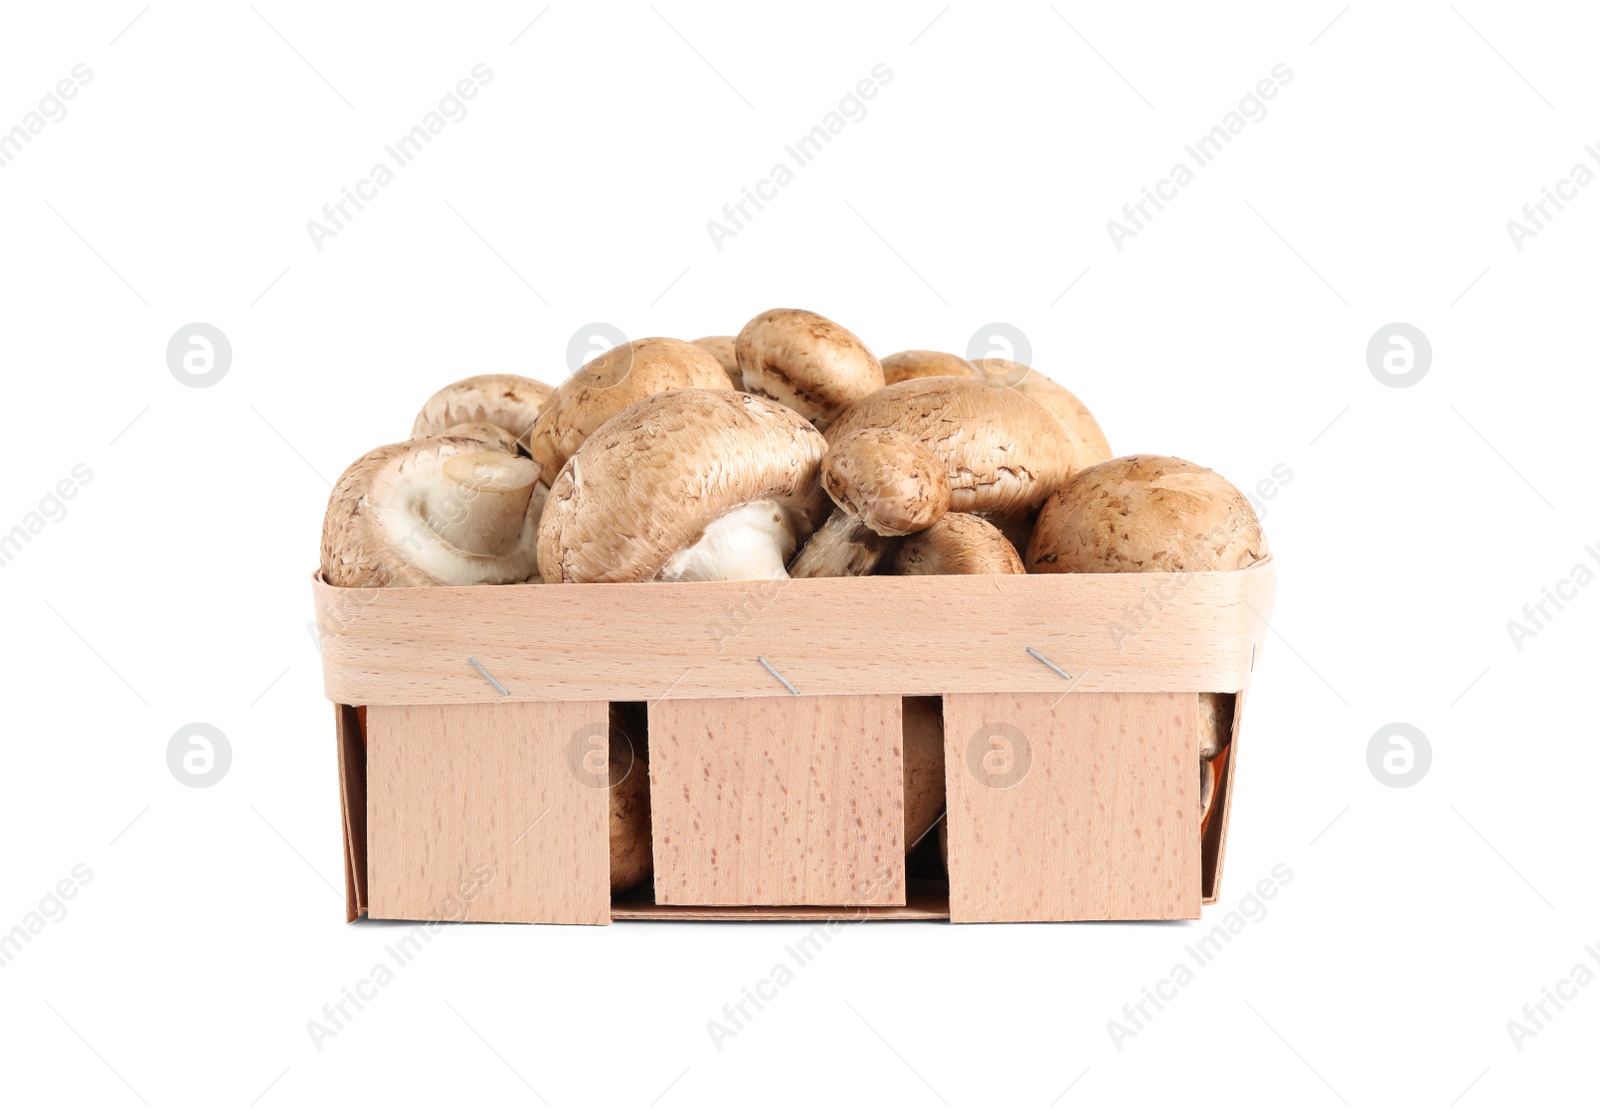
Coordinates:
(884, 484)
(809, 363)
(685, 485)
(438, 510)
(508, 401)
(1002, 452)
(958, 545)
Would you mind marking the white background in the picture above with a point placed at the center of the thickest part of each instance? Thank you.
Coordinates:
(1231, 331)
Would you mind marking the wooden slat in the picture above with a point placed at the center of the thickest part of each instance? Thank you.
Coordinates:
(867, 635)
(780, 800)
(475, 812)
(1084, 807)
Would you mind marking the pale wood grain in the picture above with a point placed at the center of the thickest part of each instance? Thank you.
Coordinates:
(780, 800)
(869, 635)
(475, 812)
(1096, 816)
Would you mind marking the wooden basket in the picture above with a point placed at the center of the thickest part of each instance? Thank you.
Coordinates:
(1071, 743)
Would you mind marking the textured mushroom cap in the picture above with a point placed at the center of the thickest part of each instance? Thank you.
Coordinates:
(649, 481)
(609, 384)
(722, 348)
(922, 363)
(374, 533)
(922, 765)
(888, 480)
(1146, 514)
(509, 401)
(629, 797)
(496, 438)
(1088, 439)
(958, 545)
(1003, 453)
(807, 362)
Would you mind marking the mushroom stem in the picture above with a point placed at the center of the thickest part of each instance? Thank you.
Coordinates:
(844, 546)
(750, 542)
(481, 502)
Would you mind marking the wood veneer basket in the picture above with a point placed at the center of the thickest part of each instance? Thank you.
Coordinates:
(1069, 799)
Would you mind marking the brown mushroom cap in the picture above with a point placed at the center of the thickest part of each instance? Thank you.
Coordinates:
(1003, 452)
(1146, 514)
(888, 480)
(884, 484)
(495, 438)
(922, 765)
(632, 859)
(609, 384)
(722, 348)
(1089, 442)
(958, 545)
(923, 363)
(809, 363)
(509, 401)
(676, 469)
(390, 511)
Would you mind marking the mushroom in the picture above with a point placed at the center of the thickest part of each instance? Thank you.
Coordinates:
(1003, 453)
(884, 484)
(438, 510)
(509, 401)
(609, 384)
(1089, 442)
(807, 362)
(1146, 514)
(495, 437)
(1152, 514)
(958, 545)
(689, 484)
(722, 348)
(629, 797)
(921, 363)
(922, 765)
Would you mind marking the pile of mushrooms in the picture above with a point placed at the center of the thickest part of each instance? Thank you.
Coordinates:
(787, 451)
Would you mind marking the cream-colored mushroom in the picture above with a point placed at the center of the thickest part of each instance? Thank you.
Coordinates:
(1002, 452)
(884, 484)
(439, 510)
(685, 485)
(1152, 514)
(958, 545)
(508, 401)
(809, 363)
(722, 348)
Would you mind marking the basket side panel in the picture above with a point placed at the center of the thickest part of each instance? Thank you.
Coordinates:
(477, 812)
(781, 800)
(1077, 807)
